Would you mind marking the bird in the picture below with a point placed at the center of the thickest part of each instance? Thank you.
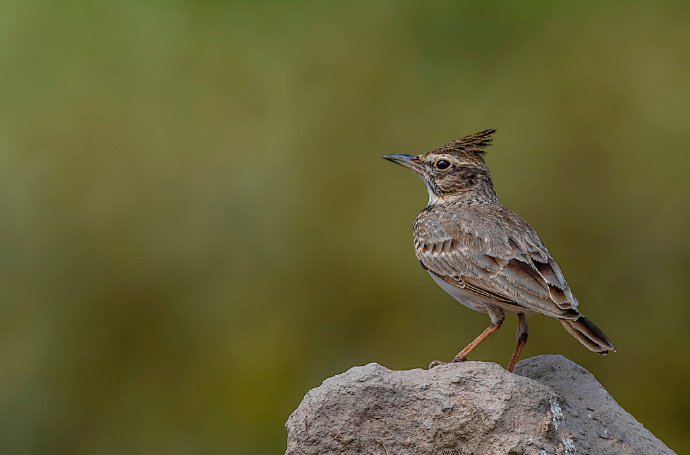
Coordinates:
(485, 255)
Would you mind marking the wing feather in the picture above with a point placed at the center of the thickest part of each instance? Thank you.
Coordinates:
(499, 258)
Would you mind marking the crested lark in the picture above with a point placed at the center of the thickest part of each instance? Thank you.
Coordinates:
(483, 254)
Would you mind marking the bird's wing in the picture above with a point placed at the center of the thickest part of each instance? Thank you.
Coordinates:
(498, 257)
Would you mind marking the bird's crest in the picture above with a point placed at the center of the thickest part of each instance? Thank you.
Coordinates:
(472, 144)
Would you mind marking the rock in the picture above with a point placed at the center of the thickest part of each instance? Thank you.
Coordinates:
(550, 406)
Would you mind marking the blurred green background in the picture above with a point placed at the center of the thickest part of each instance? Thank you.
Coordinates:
(197, 226)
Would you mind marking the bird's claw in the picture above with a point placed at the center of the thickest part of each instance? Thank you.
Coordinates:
(436, 363)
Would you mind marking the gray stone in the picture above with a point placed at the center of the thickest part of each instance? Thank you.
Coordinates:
(550, 406)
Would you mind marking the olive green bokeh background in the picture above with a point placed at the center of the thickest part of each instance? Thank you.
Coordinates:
(197, 226)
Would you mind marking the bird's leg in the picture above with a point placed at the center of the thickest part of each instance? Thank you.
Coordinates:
(521, 336)
(497, 318)
(462, 355)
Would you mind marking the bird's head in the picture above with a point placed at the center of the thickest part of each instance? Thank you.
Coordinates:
(455, 170)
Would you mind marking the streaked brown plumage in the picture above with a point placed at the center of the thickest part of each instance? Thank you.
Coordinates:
(485, 255)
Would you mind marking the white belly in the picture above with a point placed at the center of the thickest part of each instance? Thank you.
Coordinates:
(467, 298)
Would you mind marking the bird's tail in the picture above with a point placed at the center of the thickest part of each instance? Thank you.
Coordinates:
(588, 334)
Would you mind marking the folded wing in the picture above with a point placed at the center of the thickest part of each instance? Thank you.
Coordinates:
(500, 259)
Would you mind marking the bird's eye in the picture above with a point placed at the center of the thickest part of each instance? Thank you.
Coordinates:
(442, 164)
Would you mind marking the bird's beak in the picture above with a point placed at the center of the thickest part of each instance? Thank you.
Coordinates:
(404, 160)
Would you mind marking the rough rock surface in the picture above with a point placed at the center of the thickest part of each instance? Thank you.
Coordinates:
(550, 406)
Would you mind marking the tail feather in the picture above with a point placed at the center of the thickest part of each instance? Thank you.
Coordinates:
(588, 334)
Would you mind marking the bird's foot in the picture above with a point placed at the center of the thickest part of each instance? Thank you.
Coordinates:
(436, 363)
